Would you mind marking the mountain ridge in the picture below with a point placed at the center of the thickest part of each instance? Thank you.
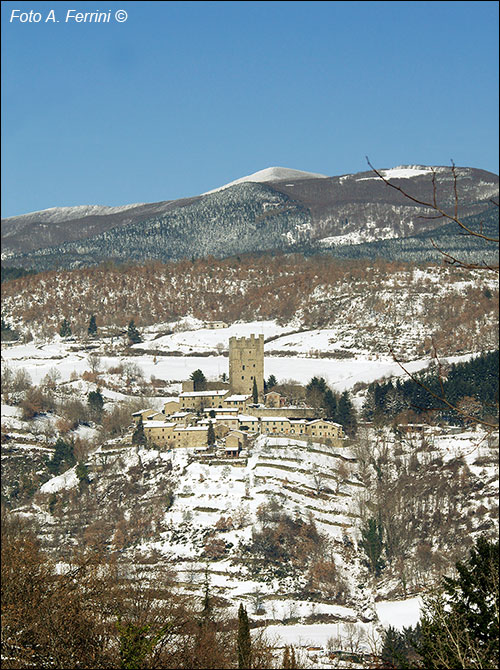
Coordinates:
(273, 214)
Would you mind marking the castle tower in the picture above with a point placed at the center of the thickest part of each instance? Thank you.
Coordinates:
(246, 363)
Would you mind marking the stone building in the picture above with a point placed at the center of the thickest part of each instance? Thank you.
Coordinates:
(246, 363)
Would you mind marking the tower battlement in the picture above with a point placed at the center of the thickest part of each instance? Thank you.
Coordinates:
(244, 342)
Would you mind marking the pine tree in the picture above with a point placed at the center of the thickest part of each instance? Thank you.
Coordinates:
(65, 329)
(346, 414)
(133, 334)
(244, 641)
(198, 379)
(139, 436)
(92, 329)
(270, 383)
(330, 405)
(82, 473)
(460, 626)
(96, 403)
(63, 454)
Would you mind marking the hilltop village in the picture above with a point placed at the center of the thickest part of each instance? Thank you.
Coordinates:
(226, 414)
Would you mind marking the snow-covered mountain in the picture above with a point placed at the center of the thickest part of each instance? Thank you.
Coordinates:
(271, 174)
(275, 209)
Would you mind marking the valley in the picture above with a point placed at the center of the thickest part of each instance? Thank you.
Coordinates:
(278, 529)
(280, 395)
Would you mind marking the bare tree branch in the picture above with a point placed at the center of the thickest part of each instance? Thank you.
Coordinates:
(434, 204)
(442, 398)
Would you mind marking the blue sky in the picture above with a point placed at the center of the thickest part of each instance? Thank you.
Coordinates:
(183, 97)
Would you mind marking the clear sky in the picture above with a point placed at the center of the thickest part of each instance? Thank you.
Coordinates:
(183, 97)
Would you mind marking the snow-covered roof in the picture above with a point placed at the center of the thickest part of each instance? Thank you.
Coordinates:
(202, 394)
(171, 399)
(330, 423)
(141, 411)
(237, 398)
(275, 418)
(158, 424)
(246, 417)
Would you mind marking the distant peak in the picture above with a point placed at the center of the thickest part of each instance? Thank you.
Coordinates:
(271, 174)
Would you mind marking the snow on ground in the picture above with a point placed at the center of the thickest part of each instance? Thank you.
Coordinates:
(399, 613)
(10, 411)
(318, 634)
(208, 339)
(340, 374)
(67, 480)
(270, 174)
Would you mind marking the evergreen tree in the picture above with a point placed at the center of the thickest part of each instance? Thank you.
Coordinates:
(82, 472)
(244, 641)
(139, 436)
(460, 624)
(63, 454)
(255, 393)
(96, 403)
(373, 545)
(92, 329)
(346, 414)
(134, 644)
(330, 402)
(270, 383)
(210, 435)
(400, 648)
(199, 380)
(133, 334)
(65, 329)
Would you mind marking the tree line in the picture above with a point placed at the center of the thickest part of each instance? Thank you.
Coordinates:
(470, 387)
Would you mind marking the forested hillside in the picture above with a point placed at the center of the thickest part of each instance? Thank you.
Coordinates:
(373, 305)
(429, 245)
(471, 389)
(246, 218)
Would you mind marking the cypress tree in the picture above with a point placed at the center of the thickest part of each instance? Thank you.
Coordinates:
(289, 662)
(373, 544)
(210, 434)
(244, 642)
(255, 393)
(206, 612)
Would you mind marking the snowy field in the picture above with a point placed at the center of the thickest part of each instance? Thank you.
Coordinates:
(340, 374)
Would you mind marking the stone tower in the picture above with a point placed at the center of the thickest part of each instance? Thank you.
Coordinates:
(246, 363)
